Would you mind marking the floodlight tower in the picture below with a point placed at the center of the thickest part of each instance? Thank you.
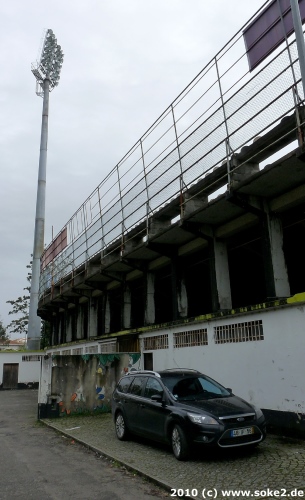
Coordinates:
(47, 74)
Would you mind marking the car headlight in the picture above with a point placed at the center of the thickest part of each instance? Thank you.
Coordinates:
(201, 419)
(258, 412)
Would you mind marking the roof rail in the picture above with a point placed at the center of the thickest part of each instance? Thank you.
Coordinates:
(143, 372)
(180, 370)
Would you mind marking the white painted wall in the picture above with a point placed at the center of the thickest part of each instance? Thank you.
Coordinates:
(29, 371)
(270, 373)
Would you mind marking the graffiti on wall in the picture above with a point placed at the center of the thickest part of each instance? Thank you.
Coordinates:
(84, 384)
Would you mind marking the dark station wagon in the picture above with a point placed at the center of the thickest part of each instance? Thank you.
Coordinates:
(183, 407)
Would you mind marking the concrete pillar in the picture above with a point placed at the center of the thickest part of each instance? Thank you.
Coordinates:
(92, 327)
(220, 277)
(149, 314)
(107, 315)
(179, 294)
(69, 320)
(126, 313)
(276, 276)
(79, 323)
(182, 299)
(174, 288)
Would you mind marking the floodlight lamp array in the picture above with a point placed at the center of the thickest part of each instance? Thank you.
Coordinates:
(51, 60)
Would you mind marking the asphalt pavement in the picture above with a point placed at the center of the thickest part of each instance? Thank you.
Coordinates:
(83, 460)
(37, 463)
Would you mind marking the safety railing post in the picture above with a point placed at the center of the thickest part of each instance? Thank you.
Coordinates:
(180, 164)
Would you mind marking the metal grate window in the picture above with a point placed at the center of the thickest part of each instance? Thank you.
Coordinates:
(157, 342)
(93, 349)
(106, 347)
(191, 338)
(239, 332)
(34, 357)
(78, 351)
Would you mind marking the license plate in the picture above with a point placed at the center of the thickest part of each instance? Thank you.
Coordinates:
(242, 432)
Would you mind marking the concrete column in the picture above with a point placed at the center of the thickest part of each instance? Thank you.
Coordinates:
(149, 314)
(126, 313)
(92, 327)
(69, 320)
(220, 277)
(179, 294)
(182, 299)
(107, 315)
(276, 276)
(79, 323)
(174, 290)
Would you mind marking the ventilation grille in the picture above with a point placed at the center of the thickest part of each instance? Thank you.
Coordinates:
(191, 338)
(78, 351)
(106, 347)
(34, 357)
(239, 332)
(157, 342)
(92, 349)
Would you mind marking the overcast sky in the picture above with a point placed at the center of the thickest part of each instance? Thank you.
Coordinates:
(125, 62)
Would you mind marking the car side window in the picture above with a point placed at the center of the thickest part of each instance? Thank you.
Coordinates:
(153, 387)
(124, 384)
(136, 386)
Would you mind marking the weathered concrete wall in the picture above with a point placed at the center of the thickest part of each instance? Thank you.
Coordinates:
(268, 372)
(79, 384)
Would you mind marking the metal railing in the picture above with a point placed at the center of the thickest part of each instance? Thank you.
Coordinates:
(223, 109)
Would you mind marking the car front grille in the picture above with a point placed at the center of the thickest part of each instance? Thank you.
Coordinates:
(227, 440)
(236, 419)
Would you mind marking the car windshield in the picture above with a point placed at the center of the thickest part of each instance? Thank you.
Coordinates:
(190, 388)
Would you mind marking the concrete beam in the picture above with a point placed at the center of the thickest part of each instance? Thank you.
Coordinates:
(288, 200)
(240, 171)
(193, 203)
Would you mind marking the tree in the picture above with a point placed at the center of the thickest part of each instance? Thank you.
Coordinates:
(4, 339)
(20, 307)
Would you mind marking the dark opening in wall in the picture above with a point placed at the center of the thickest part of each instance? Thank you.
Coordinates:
(63, 329)
(246, 267)
(55, 330)
(137, 302)
(73, 319)
(115, 303)
(101, 300)
(198, 283)
(293, 238)
(163, 295)
(85, 320)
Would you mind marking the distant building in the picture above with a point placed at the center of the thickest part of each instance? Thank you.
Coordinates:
(13, 344)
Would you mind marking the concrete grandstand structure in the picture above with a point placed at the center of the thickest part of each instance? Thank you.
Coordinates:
(189, 251)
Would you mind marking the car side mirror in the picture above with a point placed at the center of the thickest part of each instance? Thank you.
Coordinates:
(157, 398)
(229, 389)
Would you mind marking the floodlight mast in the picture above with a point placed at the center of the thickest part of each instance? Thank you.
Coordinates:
(47, 74)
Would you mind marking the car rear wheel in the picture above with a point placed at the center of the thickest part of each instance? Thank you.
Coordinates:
(120, 427)
(179, 442)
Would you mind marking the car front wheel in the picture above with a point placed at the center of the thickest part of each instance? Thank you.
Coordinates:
(179, 442)
(120, 427)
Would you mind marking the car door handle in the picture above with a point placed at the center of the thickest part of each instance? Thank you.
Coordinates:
(142, 405)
